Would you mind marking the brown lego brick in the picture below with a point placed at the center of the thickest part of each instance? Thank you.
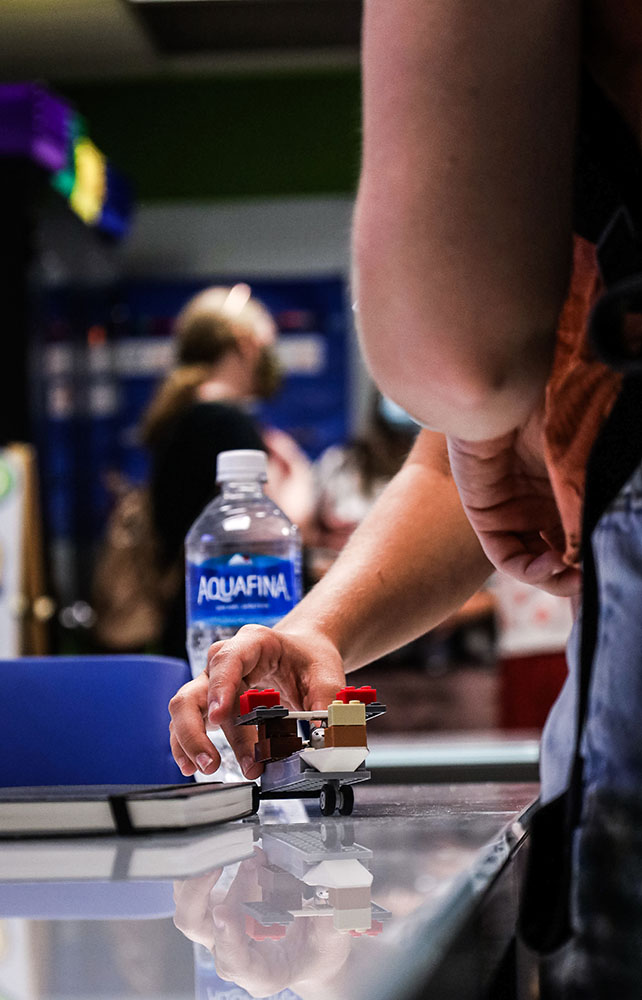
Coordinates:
(345, 736)
(279, 887)
(277, 727)
(275, 747)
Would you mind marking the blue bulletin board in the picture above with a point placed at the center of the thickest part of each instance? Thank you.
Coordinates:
(99, 356)
(313, 345)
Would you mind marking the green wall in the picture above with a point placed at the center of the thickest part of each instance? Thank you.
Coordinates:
(255, 135)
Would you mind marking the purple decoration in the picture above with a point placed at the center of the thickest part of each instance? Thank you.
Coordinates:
(34, 124)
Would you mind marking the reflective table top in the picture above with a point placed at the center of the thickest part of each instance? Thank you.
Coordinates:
(288, 904)
(455, 757)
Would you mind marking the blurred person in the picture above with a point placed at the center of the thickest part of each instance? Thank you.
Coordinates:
(225, 360)
(348, 478)
(474, 299)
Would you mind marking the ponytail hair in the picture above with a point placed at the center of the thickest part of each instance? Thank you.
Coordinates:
(206, 329)
(175, 393)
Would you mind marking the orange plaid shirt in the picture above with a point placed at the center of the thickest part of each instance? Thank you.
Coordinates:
(580, 393)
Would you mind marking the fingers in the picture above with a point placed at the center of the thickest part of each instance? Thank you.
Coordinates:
(192, 899)
(307, 671)
(568, 583)
(546, 571)
(530, 558)
(555, 537)
(253, 647)
(521, 514)
(255, 966)
(191, 747)
(242, 739)
(320, 687)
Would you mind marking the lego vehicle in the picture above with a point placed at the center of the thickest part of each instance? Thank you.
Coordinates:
(313, 871)
(329, 763)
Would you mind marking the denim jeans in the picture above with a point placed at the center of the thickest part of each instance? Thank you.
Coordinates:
(604, 958)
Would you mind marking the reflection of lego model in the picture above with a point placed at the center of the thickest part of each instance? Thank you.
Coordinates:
(329, 763)
(314, 872)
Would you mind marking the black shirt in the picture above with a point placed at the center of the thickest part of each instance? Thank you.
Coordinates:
(183, 481)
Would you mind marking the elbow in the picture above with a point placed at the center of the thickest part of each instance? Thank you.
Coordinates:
(460, 355)
(441, 386)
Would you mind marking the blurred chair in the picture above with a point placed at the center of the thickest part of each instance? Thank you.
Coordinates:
(88, 720)
(92, 899)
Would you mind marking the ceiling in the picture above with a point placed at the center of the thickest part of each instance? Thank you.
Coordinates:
(88, 39)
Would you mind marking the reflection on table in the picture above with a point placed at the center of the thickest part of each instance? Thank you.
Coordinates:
(291, 904)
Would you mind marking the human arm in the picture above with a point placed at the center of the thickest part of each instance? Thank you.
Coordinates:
(462, 231)
(412, 561)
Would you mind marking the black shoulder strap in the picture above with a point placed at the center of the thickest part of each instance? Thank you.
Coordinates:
(608, 164)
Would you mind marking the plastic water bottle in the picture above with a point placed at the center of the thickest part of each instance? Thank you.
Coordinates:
(243, 565)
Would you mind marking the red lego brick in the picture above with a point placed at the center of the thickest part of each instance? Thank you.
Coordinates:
(255, 930)
(376, 928)
(365, 694)
(253, 698)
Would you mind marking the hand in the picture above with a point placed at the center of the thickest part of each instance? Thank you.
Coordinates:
(307, 960)
(306, 669)
(195, 899)
(507, 495)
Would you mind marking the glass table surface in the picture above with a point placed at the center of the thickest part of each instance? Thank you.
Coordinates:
(287, 904)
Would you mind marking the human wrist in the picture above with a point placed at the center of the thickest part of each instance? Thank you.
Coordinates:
(307, 629)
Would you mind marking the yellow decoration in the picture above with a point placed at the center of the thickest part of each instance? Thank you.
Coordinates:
(90, 186)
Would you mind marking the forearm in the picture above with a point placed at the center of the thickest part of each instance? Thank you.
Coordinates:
(412, 562)
(463, 222)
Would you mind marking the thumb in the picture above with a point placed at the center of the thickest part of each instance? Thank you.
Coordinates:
(555, 537)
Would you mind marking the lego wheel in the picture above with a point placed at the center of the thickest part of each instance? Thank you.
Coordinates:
(330, 836)
(327, 800)
(346, 800)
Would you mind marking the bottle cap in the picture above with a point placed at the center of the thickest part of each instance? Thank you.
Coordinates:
(242, 463)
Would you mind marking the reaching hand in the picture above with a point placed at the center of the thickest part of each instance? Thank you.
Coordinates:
(306, 960)
(506, 493)
(307, 670)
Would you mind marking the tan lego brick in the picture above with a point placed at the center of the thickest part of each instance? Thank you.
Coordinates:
(357, 919)
(352, 714)
(349, 897)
